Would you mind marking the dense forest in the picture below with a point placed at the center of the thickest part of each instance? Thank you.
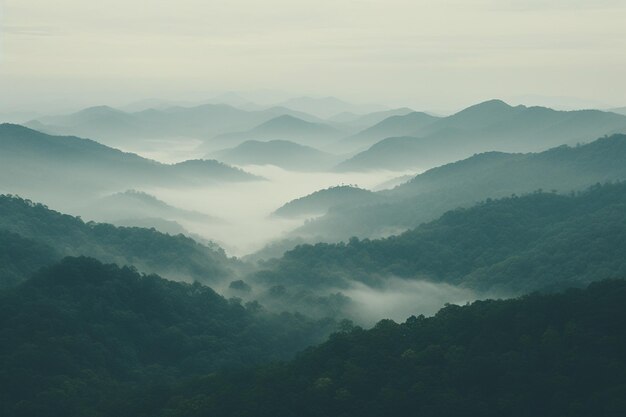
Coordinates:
(511, 245)
(540, 355)
(34, 228)
(86, 339)
(81, 338)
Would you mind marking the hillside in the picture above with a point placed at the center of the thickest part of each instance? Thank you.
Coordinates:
(321, 201)
(464, 183)
(58, 235)
(363, 121)
(543, 355)
(399, 125)
(281, 153)
(81, 338)
(31, 160)
(133, 204)
(283, 128)
(489, 126)
(513, 245)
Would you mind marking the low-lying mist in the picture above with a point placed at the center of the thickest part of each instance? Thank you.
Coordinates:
(245, 207)
(399, 298)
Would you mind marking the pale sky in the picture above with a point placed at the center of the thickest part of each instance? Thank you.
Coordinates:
(435, 54)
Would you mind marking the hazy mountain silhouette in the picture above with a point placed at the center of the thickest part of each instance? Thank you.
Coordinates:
(399, 125)
(281, 153)
(284, 127)
(327, 107)
(31, 159)
(117, 127)
(362, 121)
(321, 201)
(463, 183)
(488, 126)
(133, 204)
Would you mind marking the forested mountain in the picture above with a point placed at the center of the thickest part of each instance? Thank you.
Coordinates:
(284, 128)
(508, 246)
(30, 228)
(116, 127)
(488, 126)
(321, 201)
(85, 339)
(282, 153)
(31, 160)
(540, 355)
(463, 183)
(399, 125)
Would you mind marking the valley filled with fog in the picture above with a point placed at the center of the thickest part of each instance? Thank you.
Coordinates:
(230, 236)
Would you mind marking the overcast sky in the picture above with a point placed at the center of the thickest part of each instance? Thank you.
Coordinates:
(427, 54)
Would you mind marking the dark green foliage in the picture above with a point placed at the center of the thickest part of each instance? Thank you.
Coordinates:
(20, 257)
(176, 256)
(79, 336)
(516, 244)
(556, 355)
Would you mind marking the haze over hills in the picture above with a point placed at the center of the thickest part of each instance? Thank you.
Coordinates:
(489, 126)
(282, 153)
(133, 204)
(488, 175)
(31, 160)
(398, 125)
(363, 121)
(112, 126)
(284, 128)
(326, 107)
(176, 257)
(514, 245)
(537, 355)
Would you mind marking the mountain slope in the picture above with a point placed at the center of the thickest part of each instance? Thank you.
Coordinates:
(539, 355)
(61, 235)
(284, 128)
(81, 338)
(489, 126)
(321, 201)
(464, 183)
(281, 153)
(513, 245)
(400, 125)
(31, 159)
(115, 127)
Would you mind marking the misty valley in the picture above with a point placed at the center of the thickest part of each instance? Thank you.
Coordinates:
(313, 257)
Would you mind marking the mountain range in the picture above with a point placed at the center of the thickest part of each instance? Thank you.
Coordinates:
(35, 161)
(466, 182)
(488, 126)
